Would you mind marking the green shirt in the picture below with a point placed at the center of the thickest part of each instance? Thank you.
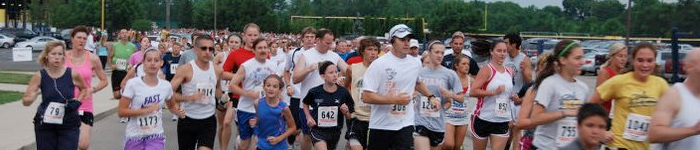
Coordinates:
(122, 52)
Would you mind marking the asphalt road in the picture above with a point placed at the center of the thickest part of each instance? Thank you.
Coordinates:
(6, 63)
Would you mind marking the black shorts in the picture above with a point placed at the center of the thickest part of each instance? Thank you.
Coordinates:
(435, 137)
(330, 136)
(401, 139)
(358, 130)
(193, 133)
(117, 77)
(296, 111)
(87, 118)
(234, 101)
(482, 129)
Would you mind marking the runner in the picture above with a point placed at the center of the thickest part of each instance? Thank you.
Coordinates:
(199, 89)
(358, 124)
(457, 45)
(137, 57)
(389, 83)
(616, 64)
(171, 61)
(273, 116)
(143, 100)
(102, 49)
(520, 64)
(118, 61)
(457, 116)
(354, 57)
(635, 94)
(306, 71)
(493, 86)
(56, 123)
(190, 54)
(234, 61)
(591, 128)
(559, 95)
(430, 123)
(248, 82)
(86, 64)
(415, 52)
(294, 90)
(326, 106)
(676, 122)
(528, 98)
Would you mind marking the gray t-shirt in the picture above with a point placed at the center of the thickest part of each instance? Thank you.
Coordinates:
(186, 57)
(435, 79)
(556, 94)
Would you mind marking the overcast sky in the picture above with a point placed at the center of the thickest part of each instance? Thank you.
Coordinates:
(542, 3)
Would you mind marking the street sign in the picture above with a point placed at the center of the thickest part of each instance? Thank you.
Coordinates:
(22, 54)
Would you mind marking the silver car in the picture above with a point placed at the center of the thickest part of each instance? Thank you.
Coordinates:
(7, 41)
(37, 43)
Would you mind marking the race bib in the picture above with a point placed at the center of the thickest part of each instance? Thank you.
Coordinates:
(54, 113)
(397, 111)
(328, 116)
(208, 91)
(458, 108)
(225, 85)
(173, 68)
(427, 109)
(501, 108)
(566, 131)
(637, 127)
(147, 124)
(121, 64)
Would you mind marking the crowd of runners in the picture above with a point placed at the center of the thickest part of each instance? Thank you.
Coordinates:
(276, 90)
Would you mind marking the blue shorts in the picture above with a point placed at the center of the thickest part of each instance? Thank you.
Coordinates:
(244, 128)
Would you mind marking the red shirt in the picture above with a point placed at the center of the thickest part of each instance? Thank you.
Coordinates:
(235, 60)
(354, 60)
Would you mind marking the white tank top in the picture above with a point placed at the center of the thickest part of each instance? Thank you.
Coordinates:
(204, 81)
(255, 74)
(496, 108)
(687, 117)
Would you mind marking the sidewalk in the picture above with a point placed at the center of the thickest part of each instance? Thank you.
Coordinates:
(18, 128)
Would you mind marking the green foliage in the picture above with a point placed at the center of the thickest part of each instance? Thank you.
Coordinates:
(141, 25)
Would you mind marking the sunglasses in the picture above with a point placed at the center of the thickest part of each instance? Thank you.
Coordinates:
(212, 49)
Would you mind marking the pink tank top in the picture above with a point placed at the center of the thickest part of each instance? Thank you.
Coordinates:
(85, 71)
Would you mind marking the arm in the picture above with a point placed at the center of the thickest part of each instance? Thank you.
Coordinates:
(375, 98)
(423, 89)
(667, 108)
(309, 119)
(183, 74)
(31, 92)
(524, 121)
(125, 111)
(110, 54)
(218, 90)
(129, 74)
(235, 85)
(348, 79)
(301, 70)
(287, 81)
(540, 116)
(82, 87)
(97, 68)
(291, 127)
(526, 67)
(481, 78)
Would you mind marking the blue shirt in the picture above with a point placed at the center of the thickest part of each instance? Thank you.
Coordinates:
(270, 123)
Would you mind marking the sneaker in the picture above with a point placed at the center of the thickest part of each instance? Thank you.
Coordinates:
(123, 119)
(175, 117)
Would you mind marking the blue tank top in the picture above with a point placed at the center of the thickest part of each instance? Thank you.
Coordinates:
(101, 51)
(270, 123)
(50, 89)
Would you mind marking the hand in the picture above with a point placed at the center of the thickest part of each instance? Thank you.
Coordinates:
(253, 122)
(607, 137)
(273, 140)
(402, 99)
(340, 81)
(448, 105)
(696, 128)
(224, 98)
(344, 108)
(436, 103)
(310, 121)
(446, 93)
(515, 98)
(290, 90)
(181, 113)
(196, 96)
(500, 89)
(113, 66)
(570, 112)
(152, 107)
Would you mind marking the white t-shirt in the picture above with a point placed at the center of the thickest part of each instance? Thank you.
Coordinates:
(143, 95)
(390, 75)
(556, 93)
(255, 74)
(292, 58)
(204, 81)
(314, 79)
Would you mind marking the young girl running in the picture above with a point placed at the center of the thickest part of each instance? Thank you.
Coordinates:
(273, 121)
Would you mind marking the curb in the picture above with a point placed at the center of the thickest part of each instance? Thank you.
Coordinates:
(98, 117)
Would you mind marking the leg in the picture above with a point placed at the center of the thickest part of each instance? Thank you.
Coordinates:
(46, 138)
(516, 135)
(68, 138)
(460, 134)
(375, 137)
(244, 129)
(297, 121)
(186, 140)
(421, 143)
(449, 142)
(224, 128)
(85, 132)
(404, 138)
(306, 138)
(480, 132)
(498, 141)
(479, 144)
(207, 133)
(320, 145)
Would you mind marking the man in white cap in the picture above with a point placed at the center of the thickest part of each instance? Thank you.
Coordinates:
(415, 52)
(389, 83)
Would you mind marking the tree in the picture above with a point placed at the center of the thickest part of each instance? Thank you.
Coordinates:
(577, 9)
(454, 16)
(141, 25)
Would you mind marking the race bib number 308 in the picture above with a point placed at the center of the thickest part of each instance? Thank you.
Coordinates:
(397, 110)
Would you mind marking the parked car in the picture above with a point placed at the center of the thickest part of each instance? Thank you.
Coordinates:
(7, 40)
(589, 64)
(37, 43)
(664, 64)
(19, 32)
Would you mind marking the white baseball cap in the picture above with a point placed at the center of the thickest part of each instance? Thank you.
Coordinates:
(414, 43)
(400, 31)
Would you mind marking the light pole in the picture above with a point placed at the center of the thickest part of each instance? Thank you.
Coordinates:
(629, 20)
(215, 17)
(167, 14)
(102, 16)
